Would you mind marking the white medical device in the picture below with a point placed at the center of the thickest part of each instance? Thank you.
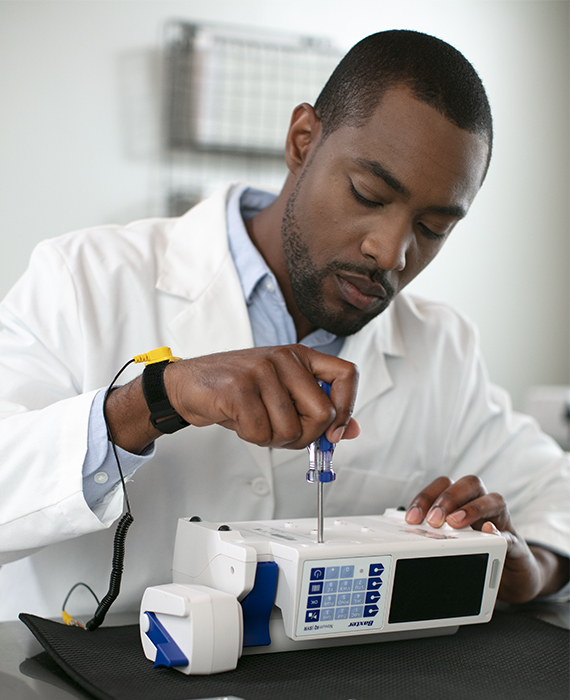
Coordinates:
(265, 586)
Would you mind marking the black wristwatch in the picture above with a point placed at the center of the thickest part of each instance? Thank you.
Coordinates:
(162, 415)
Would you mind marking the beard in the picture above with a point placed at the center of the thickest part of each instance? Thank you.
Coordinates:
(307, 281)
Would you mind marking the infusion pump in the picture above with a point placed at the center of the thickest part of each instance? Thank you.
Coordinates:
(265, 586)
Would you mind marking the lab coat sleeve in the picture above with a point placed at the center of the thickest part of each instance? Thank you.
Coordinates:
(44, 413)
(511, 455)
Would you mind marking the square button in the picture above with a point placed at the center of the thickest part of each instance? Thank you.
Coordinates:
(331, 586)
(356, 612)
(359, 584)
(333, 571)
(341, 614)
(345, 585)
(315, 587)
(327, 614)
(318, 574)
(329, 601)
(346, 571)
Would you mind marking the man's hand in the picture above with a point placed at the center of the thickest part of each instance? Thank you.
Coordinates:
(529, 570)
(268, 396)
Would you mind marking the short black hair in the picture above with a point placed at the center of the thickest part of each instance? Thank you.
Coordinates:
(435, 72)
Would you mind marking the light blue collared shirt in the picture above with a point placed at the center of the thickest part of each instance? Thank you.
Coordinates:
(270, 320)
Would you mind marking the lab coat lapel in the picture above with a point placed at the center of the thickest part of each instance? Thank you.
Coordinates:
(198, 267)
(368, 349)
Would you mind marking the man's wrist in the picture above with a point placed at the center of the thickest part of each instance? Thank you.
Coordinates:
(163, 415)
(555, 570)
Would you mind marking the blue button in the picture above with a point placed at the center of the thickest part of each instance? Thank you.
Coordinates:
(374, 584)
(358, 598)
(327, 614)
(359, 584)
(346, 571)
(345, 585)
(329, 601)
(331, 586)
(333, 571)
(341, 614)
(371, 610)
(372, 596)
(318, 574)
(376, 569)
(315, 588)
(312, 616)
(356, 612)
(314, 601)
(343, 599)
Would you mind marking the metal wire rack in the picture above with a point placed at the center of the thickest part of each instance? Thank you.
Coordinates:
(229, 97)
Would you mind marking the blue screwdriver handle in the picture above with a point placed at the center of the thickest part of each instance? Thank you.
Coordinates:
(324, 444)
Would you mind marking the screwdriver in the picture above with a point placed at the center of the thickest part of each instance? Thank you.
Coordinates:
(320, 469)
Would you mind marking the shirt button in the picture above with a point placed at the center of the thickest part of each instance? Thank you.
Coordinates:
(260, 486)
(269, 286)
(101, 477)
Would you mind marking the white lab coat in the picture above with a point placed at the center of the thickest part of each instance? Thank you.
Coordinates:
(91, 300)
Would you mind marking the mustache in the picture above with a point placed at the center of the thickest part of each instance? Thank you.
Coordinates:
(375, 275)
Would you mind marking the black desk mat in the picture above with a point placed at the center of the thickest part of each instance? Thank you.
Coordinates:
(512, 657)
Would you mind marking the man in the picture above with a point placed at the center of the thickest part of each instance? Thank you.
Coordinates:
(380, 171)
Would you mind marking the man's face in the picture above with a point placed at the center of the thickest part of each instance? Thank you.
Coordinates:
(372, 207)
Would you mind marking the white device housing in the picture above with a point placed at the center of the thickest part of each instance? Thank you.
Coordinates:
(206, 624)
(373, 578)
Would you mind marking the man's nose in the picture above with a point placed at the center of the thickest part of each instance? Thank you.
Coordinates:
(388, 243)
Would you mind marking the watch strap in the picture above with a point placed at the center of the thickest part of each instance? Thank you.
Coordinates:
(162, 415)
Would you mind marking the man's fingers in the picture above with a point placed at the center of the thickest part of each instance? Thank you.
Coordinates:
(351, 431)
(310, 412)
(464, 491)
(489, 507)
(461, 504)
(343, 378)
(421, 504)
(268, 396)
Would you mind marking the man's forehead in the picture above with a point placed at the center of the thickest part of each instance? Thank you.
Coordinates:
(404, 135)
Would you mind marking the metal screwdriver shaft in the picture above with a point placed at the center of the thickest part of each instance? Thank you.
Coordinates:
(320, 470)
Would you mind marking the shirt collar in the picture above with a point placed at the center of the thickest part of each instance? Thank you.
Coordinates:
(245, 203)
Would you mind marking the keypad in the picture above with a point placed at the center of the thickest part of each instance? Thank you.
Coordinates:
(344, 592)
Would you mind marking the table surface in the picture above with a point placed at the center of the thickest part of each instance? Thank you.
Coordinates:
(31, 681)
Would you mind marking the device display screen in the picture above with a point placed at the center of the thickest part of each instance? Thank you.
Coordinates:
(434, 588)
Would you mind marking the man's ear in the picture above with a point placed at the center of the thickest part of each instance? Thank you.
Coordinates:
(303, 135)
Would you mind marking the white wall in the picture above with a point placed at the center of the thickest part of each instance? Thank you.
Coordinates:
(79, 143)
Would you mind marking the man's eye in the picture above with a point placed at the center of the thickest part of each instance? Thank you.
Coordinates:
(428, 233)
(362, 200)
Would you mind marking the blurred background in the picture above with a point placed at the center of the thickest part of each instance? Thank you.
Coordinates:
(115, 110)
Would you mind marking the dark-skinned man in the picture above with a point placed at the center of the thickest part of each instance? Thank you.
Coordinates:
(263, 295)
